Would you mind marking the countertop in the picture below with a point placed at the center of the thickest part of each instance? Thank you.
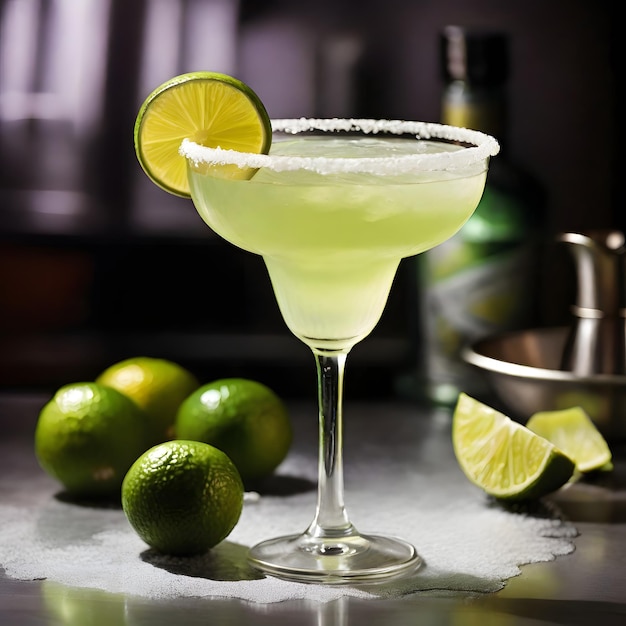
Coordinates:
(586, 586)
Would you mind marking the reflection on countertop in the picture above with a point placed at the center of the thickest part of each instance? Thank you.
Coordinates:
(574, 589)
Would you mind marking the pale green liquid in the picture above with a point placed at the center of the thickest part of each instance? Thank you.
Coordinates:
(332, 243)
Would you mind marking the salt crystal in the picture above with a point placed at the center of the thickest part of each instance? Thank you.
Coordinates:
(482, 147)
(468, 545)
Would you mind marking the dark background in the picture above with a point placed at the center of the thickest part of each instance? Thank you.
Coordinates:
(97, 264)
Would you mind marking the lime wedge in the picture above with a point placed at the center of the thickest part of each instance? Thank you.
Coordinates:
(572, 431)
(502, 457)
(208, 108)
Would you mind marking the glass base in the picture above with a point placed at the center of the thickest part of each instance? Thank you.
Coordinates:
(357, 558)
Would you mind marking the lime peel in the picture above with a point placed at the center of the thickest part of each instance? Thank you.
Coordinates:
(157, 386)
(182, 497)
(504, 458)
(87, 436)
(242, 417)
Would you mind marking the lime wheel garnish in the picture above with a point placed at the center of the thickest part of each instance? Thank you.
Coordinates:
(210, 109)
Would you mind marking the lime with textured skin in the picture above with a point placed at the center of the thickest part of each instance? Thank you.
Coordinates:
(157, 386)
(87, 436)
(182, 497)
(209, 108)
(242, 417)
(572, 431)
(504, 458)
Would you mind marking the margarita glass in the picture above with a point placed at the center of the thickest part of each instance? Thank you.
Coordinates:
(332, 209)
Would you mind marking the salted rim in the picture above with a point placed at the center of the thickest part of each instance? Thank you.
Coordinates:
(483, 146)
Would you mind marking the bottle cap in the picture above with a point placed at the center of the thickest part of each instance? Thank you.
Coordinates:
(479, 57)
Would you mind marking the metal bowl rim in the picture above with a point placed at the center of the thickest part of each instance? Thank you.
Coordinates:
(472, 354)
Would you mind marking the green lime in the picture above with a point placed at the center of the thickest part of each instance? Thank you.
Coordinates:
(572, 431)
(87, 436)
(211, 109)
(504, 458)
(182, 497)
(242, 417)
(157, 386)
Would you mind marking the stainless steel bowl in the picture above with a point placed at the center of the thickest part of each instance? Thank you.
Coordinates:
(523, 370)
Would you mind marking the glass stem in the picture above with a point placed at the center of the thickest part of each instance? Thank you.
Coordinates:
(331, 519)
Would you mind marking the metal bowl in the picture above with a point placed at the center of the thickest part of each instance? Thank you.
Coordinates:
(523, 370)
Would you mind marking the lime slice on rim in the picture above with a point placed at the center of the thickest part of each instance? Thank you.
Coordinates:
(208, 108)
(504, 458)
(572, 431)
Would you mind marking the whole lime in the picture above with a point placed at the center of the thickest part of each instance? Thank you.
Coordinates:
(182, 497)
(157, 386)
(87, 436)
(242, 417)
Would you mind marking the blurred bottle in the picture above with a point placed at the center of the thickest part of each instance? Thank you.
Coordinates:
(483, 280)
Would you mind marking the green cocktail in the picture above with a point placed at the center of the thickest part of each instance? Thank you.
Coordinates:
(332, 210)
